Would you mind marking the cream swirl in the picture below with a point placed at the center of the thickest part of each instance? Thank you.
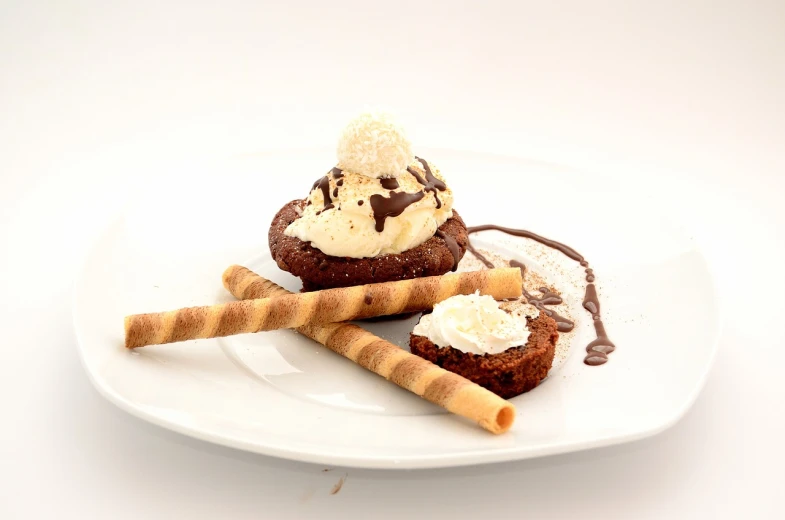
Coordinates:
(349, 226)
(473, 324)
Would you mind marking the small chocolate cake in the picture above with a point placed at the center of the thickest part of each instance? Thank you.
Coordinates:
(507, 374)
(317, 270)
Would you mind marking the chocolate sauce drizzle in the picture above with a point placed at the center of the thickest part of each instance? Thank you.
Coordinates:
(547, 297)
(324, 185)
(430, 183)
(597, 351)
(392, 206)
(389, 184)
(453, 246)
(480, 256)
(397, 202)
(565, 249)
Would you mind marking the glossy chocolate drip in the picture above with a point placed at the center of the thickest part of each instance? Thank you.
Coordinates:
(430, 183)
(339, 183)
(430, 177)
(597, 350)
(324, 185)
(389, 184)
(479, 256)
(360, 202)
(337, 173)
(453, 246)
(391, 206)
(547, 297)
(335, 192)
(565, 249)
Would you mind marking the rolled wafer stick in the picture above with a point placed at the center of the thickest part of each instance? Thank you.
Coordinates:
(446, 389)
(289, 311)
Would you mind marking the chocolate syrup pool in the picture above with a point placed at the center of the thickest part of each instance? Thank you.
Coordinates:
(597, 351)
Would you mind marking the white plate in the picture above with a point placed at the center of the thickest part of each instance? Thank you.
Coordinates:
(279, 394)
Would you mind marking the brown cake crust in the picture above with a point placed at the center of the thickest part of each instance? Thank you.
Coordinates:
(320, 271)
(507, 374)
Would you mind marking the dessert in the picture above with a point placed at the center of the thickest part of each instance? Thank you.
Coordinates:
(598, 349)
(413, 373)
(376, 236)
(328, 306)
(380, 215)
(471, 336)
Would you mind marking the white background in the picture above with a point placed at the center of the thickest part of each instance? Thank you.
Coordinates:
(684, 99)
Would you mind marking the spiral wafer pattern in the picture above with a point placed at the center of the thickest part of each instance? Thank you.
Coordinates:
(287, 310)
(441, 387)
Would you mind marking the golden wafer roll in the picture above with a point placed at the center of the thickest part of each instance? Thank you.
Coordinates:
(446, 389)
(289, 311)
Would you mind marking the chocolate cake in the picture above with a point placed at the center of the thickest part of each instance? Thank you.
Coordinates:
(436, 256)
(507, 374)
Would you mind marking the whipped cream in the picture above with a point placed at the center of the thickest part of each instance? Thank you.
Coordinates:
(350, 228)
(473, 324)
(379, 200)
